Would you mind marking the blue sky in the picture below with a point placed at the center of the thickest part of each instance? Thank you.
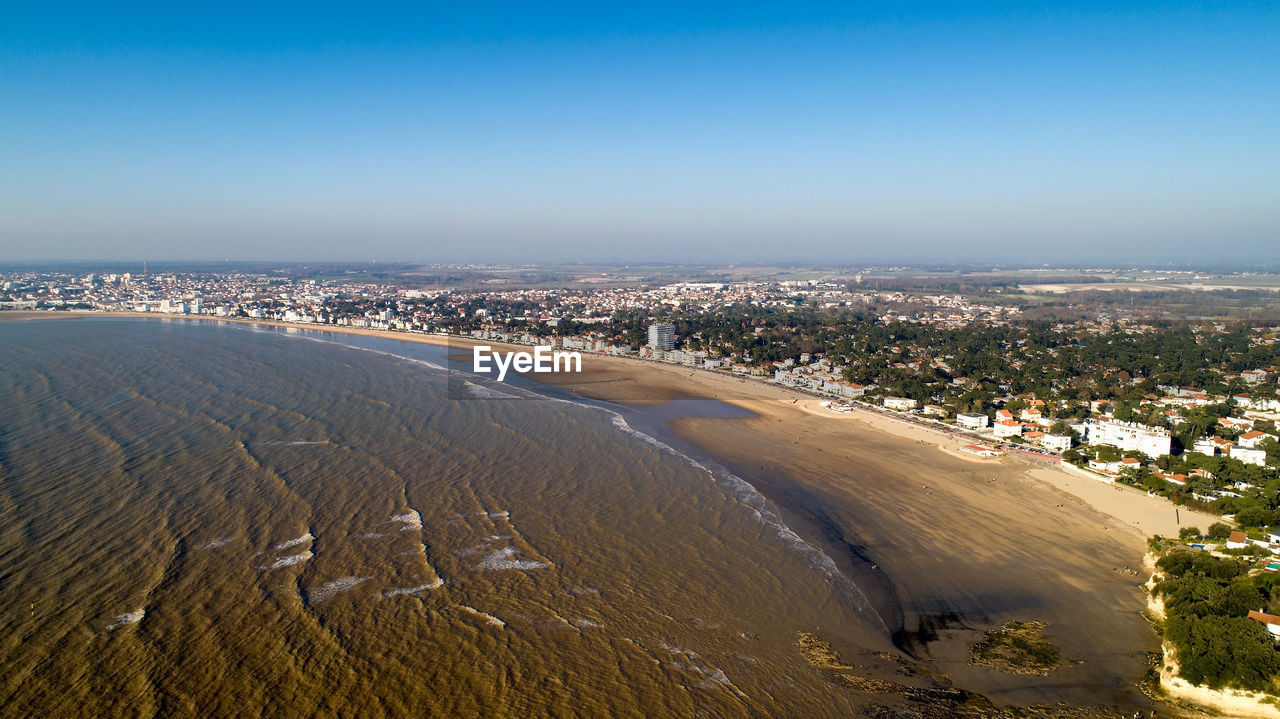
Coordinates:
(721, 132)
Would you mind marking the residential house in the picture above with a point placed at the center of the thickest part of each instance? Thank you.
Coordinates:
(1098, 465)
(1250, 456)
(1237, 423)
(1056, 442)
(901, 403)
(1252, 439)
(1270, 621)
(1205, 445)
(1254, 376)
(1008, 428)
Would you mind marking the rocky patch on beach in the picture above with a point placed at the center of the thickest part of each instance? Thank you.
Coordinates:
(1016, 648)
(937, 699)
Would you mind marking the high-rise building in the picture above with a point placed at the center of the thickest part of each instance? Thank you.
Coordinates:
(662, 337)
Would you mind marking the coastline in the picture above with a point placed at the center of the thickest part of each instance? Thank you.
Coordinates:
(948, 544)
(1143, 514)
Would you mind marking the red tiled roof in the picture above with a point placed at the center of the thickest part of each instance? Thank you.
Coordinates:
(1264, 617)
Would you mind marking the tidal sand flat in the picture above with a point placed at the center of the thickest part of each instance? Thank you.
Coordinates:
(203, 519)
(945, 547)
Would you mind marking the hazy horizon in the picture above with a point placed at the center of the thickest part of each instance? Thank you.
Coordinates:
(1087, 133)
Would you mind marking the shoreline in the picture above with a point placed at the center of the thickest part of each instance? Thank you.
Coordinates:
(851, 483)
(1084, 489)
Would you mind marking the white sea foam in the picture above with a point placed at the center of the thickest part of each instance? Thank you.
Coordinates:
(490, 391)
(479, 392)
(293, 542)
(505, 559)
(289, 561)
(328, 589)
(410, 518)
(413, 590)
(215, 543)
(125, 620)
(691, 661)
(414, 360)
(489, 618)
(297, 443)
(583, 623)
(370, 535)
(760, 506)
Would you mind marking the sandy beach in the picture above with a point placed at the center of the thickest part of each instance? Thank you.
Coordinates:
(946, 545)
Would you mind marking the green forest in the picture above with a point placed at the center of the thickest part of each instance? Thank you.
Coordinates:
(1207, 600)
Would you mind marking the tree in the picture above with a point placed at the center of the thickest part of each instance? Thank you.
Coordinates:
(1188, 533)
(1255, 517)
(1124, 413)
(1218, 530)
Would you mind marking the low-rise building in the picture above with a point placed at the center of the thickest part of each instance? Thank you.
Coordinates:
(933, 410)
(1249, 456)
(972, 421)
(901, 403)
(982, 450)
(1252, 439)
(1270, 621)
(1098, 465)
(1056, 442)
(1204, 445)
(1008, 428)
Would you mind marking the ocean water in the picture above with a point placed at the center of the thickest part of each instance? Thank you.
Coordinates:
(200, 518)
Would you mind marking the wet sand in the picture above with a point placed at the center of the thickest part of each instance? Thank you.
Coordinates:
(945, 544)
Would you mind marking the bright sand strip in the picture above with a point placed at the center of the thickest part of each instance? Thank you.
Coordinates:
(944, 544)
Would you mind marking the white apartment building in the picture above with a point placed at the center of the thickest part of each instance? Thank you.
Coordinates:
(1152, 441)
(972, 421)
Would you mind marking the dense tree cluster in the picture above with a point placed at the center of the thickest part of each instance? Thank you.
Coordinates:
(1207, 600)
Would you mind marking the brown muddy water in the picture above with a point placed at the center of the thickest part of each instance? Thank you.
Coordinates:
(199, 519)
